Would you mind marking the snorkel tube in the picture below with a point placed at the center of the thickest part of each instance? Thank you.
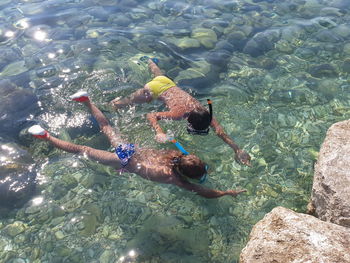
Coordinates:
(210, 109)
(179, 146)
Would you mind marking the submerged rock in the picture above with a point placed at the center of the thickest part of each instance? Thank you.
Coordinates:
(15, 228)
(262, 42)
(14, 68)
(331, 186)
(346, 66)
(327, 35)
(17, 104)
(207, 37)
(8, 55)
(186, 43)
(200, 75)
(323, 70)
(170, 229)
(17, 176)
(219, 57)
(286, 236)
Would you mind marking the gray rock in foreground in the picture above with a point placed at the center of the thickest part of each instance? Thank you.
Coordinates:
(284, 236)
(331, 186)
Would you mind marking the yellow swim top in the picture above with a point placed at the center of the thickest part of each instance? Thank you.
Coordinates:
(159, 85)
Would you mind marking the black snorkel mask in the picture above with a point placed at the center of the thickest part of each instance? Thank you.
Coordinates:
(193, 131)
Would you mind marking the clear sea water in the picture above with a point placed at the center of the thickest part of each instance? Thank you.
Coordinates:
(278, 75)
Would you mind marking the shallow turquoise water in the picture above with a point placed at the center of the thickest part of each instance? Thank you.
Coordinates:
(277, 72)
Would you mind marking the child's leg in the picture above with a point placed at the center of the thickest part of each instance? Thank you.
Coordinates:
(154, 68)
(106, 128)
(103, 157)
(140, 96)
(100, 156)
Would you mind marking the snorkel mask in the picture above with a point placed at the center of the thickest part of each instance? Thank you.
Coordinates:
(193, 131)
(204, 177)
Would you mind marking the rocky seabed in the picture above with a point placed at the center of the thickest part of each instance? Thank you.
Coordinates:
(286, 236)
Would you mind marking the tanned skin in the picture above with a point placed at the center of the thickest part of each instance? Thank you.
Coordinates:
(180, 104)
(151, 164)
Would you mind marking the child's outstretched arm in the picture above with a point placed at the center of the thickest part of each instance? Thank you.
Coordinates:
(154, 117)
(241, 156)
(206, 192)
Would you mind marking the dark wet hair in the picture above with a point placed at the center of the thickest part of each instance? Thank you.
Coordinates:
(190, 166)
(199, 119)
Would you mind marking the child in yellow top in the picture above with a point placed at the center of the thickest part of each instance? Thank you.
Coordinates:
(159, 85)
(181, 105)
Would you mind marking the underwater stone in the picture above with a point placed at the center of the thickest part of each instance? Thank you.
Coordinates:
(98, 12)
(323, 70)
(59, 235)
(89, 225)
(8, 55)
(17, 180)
(331, 11)
(46, 72)
(328, 87)
(78, 20)
(262, 42)
(3, 244)
(346, 48)
(92, 33)
(121, 20)
(305, 53)
(62, 251)
(224, 45)
(186, 43)
(205, 36)
(60, 188)
(128, 3)
(342, 30)
(94, 209)
(238, 39)
(107, 256)
(267, 63)
(170, 229)
(62, 34)
(237, 95)
(219, 57)
(293, 34)
(346, 66)
(136, 16)
(328, 36)
(14, 68)
(284, 46)
(342, 4)
(15, 228)
(90, 180)
(198, 77)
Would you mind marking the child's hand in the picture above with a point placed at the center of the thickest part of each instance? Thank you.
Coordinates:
(161, 138)
(234, 192)
(242, 157)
